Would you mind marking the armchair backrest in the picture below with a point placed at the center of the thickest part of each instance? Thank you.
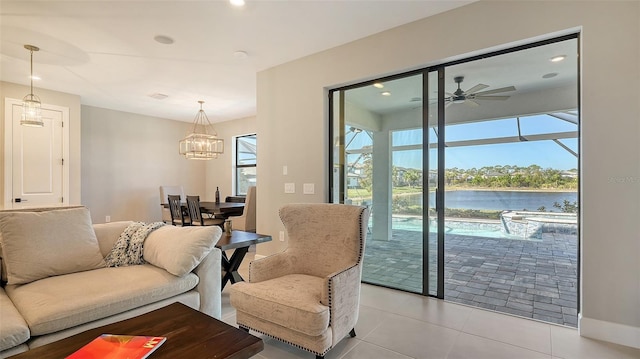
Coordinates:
(249, 211)
(324, 238)
(165, 191)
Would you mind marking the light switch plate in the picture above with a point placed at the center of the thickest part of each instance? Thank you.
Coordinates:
(289, 188)
(308, 188)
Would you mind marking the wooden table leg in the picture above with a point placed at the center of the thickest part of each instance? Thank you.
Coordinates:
(230, 266)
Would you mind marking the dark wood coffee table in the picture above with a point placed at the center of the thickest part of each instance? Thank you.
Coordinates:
(190, 334)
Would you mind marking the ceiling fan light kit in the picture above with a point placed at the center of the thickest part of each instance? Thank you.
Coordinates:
(31, 105)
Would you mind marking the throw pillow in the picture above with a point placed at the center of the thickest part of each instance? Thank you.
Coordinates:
(180, 249)
(37, 245)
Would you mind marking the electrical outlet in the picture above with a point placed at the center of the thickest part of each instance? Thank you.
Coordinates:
(281, 236)
(107, 219)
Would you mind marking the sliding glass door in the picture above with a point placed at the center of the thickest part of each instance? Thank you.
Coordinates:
(378, 162)
(470, 170)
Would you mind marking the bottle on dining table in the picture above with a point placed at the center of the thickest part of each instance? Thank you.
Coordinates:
(217, 195)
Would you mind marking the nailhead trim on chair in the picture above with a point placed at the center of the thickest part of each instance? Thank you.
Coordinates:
(285, 341)
(358, 262)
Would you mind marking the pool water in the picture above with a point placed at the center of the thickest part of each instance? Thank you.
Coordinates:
(465, 228)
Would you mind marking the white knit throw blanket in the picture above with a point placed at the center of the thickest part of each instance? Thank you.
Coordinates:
(128, 249)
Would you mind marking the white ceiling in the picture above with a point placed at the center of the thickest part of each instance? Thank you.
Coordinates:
(541, 86)
(105, 51)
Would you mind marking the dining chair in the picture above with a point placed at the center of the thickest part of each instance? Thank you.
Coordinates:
(164, 192)
(175, 207)
(193, 206)
(247, 221)
(235, 199)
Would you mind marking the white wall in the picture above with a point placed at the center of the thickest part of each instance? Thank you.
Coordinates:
(126, 158)
(292, 125)
(15, 91)
(220, 171)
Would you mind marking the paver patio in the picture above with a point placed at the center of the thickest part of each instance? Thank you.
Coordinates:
(528, 278)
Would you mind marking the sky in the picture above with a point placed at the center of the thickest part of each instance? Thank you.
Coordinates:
(546, 154)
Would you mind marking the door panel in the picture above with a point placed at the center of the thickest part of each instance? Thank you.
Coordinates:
(37, 160)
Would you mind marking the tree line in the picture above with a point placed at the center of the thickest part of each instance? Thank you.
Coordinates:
(498, 176)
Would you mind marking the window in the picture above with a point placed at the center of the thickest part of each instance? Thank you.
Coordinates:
(245, 163)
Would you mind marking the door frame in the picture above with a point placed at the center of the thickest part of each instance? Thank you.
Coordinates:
(8, 150)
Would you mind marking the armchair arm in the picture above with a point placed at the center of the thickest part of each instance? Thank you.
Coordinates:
(270, 267)
(342, 296)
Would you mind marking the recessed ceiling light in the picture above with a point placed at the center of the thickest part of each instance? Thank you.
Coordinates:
(549, 75)
(386, 93)
(163, 39)
(35, 77)
(240, 55)
(158, 96)
(558, 58)
(378, 85)
(237, 2)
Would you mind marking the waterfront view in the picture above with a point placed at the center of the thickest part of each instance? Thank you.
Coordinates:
(503, 232)
(500, 200)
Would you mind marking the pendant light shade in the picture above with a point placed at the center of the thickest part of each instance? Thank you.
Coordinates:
(31, 106)
(203, 145)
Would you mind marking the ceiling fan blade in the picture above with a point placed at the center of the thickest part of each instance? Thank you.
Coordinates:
(482, 97)
(472, 103)
(476, 88)
(449, 103)
(502, 89)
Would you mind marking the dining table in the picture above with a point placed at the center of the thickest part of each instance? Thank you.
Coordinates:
(220, 209)
(224, 209)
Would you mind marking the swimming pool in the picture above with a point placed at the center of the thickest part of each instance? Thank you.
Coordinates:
(486, 229)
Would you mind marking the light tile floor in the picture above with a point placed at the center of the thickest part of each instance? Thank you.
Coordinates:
(395, 324)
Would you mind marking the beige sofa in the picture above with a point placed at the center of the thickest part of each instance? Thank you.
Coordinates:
(55, 283)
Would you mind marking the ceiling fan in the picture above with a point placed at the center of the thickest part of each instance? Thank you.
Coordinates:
(468, 97)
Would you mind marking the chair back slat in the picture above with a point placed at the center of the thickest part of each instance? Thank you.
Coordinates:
(175, 207)
(193, 205)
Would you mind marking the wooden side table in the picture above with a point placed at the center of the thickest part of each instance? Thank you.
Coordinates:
(240, 241)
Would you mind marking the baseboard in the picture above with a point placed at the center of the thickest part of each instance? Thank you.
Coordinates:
(610, 332)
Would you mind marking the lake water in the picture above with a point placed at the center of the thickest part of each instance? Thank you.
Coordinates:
(500, 200)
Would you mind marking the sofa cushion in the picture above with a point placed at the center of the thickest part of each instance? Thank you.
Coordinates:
(56, 303)
(37, 245)
(108, 234)
(180, 249)
(291, 301)
(13, 329)
(3, 266)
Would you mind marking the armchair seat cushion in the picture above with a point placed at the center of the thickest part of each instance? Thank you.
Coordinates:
(291, 301)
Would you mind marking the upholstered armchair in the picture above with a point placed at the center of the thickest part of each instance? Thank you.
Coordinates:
(309, 294)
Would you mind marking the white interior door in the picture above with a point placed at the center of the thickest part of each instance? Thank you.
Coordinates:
(38, 174)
